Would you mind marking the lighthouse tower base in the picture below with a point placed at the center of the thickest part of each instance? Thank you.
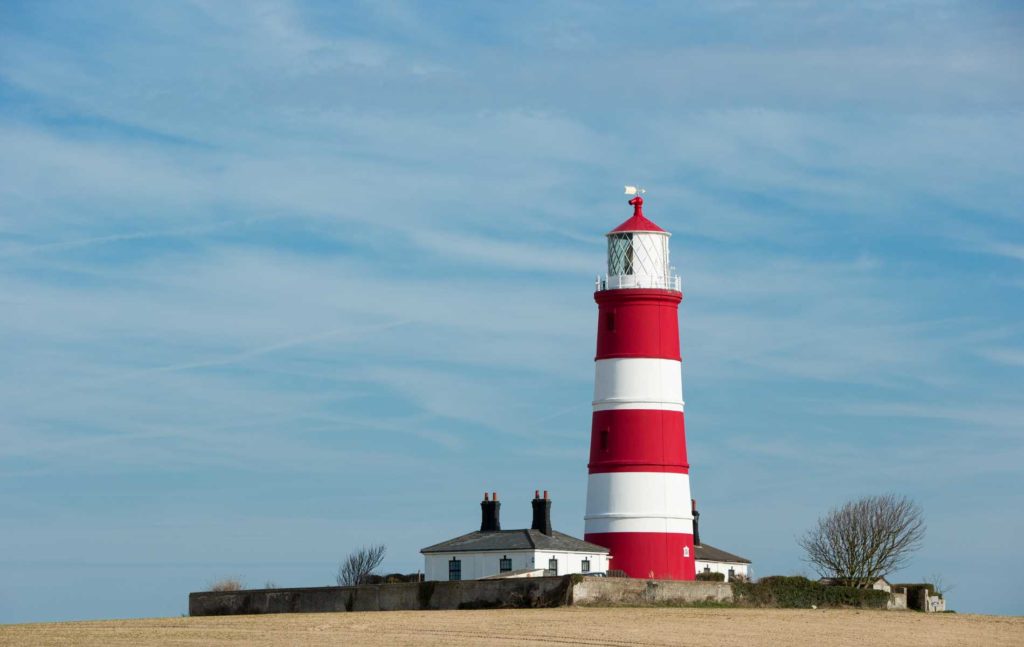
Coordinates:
(655, 555)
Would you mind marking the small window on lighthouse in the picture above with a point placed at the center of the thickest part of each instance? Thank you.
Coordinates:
(609, 321)
(686, 551)
(604, 440)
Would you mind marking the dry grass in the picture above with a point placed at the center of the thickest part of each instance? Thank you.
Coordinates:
(618, 627)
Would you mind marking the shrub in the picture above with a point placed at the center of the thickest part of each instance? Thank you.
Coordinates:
(227, 584)
(711, 577)
(796, 592)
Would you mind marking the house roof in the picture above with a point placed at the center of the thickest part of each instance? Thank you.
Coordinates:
(524, 539)
(708, 553)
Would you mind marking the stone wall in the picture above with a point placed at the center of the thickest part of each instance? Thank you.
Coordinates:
(470, 594)
(614, 590)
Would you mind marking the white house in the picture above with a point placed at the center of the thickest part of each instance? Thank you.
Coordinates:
(492, 551)
(709, 559)
(715, 560)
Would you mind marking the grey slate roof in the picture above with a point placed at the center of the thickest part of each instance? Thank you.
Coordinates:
(525, 539)
(707, 553)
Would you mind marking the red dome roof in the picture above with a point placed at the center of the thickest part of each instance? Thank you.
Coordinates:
(637, 221)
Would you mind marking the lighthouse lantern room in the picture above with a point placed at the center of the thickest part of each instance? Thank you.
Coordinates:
(638, 491)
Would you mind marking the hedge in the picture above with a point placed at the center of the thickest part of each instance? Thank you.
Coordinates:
(710, 577)
(795, 592)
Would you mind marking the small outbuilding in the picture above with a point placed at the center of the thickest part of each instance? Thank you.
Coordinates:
(528, 552)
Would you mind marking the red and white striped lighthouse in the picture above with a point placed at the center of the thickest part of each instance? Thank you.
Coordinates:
(638, 493)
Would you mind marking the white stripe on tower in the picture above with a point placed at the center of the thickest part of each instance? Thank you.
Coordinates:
(638, 383)
(639, 502)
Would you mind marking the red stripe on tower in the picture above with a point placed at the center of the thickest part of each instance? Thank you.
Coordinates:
(638, 492)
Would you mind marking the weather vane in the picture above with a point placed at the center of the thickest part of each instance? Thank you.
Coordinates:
(637, 200)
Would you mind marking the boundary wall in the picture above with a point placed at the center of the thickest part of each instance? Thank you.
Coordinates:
(470, 594)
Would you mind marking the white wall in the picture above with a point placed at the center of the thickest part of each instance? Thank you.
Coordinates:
(723, 568)
(476, 565)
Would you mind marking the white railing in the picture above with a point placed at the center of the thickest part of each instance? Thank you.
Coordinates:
(627, 281)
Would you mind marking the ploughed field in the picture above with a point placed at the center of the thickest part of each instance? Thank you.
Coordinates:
(571, 625)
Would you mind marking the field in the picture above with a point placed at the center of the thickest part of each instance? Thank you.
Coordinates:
(575, 626)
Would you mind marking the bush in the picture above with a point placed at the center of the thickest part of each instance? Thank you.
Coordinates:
(391, 578)
(710, 577)
(227, 584)
(796, 592)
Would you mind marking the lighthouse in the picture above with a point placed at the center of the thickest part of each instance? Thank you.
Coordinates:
(638, 490)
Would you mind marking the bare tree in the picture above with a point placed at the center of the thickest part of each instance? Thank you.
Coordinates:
(360, 564)
(865, 539)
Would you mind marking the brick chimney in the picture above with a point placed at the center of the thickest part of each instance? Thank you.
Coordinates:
(490, 512)
(542, 513)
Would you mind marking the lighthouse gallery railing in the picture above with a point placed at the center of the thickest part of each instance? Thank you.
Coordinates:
(627, 281)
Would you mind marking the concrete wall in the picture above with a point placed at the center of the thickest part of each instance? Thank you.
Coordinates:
(615, 590)
(897, 600)
(473, 594)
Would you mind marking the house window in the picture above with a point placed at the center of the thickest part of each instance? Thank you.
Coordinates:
(585, 566)
(686, 551)
(454, 569)
(707, 569)
(732, 574)
(504, 564)
(604, 440)
(553, 566)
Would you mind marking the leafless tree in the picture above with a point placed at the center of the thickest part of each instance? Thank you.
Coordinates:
(865, 539)
(360, 564)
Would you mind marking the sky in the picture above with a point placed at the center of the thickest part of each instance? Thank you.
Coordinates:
(280, 279)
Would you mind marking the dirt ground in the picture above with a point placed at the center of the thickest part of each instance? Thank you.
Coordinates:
(566, 626)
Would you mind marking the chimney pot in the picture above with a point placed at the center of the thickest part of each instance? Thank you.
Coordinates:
(494, 496)
(536, 494)
(545, 494)
(485, 497)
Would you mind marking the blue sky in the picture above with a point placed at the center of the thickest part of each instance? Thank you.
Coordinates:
(278, 279)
